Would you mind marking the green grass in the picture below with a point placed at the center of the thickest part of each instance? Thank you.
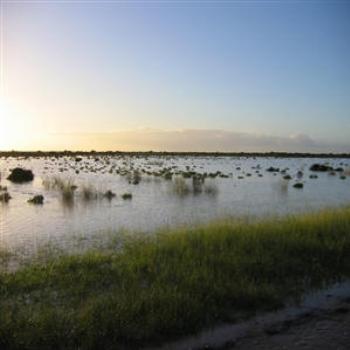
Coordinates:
(172, 283)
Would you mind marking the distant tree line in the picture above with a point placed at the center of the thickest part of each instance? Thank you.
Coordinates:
(172, 154)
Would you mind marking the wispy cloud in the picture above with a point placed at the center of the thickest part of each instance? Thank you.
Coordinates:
(191, 140)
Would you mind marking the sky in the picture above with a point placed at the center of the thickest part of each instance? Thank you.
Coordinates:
(175, 75)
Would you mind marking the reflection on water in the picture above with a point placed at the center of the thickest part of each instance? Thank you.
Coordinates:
(166, 191)
(281, 187)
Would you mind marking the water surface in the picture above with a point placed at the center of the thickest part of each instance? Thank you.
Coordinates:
(155, 202)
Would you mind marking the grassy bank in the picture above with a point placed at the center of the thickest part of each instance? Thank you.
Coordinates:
(171, 284)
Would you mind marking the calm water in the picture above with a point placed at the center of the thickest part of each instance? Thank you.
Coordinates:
(155, 203)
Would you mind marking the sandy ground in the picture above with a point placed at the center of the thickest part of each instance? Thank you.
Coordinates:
(329, 330)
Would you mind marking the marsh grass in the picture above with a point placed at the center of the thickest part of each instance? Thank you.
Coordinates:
(133, 177)
(89, 193)
(171, 283)
(198, 185)
(180, 187)
(5, 197)
(65, 186)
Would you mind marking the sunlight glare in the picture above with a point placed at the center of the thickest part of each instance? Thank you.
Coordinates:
(11, 130)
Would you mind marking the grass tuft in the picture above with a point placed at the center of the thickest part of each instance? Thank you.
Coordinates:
(65, 187)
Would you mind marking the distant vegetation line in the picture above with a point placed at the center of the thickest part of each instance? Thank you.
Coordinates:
(160, 153)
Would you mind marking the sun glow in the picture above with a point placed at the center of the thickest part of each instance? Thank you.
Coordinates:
(12, 131)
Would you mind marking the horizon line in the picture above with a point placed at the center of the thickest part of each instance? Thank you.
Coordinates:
(192, 153)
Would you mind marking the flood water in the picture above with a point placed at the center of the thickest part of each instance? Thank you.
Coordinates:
(243, 187)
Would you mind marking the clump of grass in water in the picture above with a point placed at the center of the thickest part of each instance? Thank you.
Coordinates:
(65, 187)
(198, 186)
(67, 194)
(180, 186)
(127, 196)
(89, 193)
(134, 177)
(109, 195)
(172, 283)
(168, 176)
(5, 197)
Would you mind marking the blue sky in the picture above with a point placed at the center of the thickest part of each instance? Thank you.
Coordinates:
(262, 68)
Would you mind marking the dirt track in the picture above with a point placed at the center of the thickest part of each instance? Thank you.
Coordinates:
(321, 322)
(329, 330)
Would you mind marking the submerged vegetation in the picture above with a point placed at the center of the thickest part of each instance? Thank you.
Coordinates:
(4, 197)
(89, 193)
(197, 186)
(65, 186)
(171, 283)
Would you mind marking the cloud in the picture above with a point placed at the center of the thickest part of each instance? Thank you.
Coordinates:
(209, 140)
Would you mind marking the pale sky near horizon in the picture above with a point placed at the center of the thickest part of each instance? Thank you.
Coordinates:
(136, 75)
